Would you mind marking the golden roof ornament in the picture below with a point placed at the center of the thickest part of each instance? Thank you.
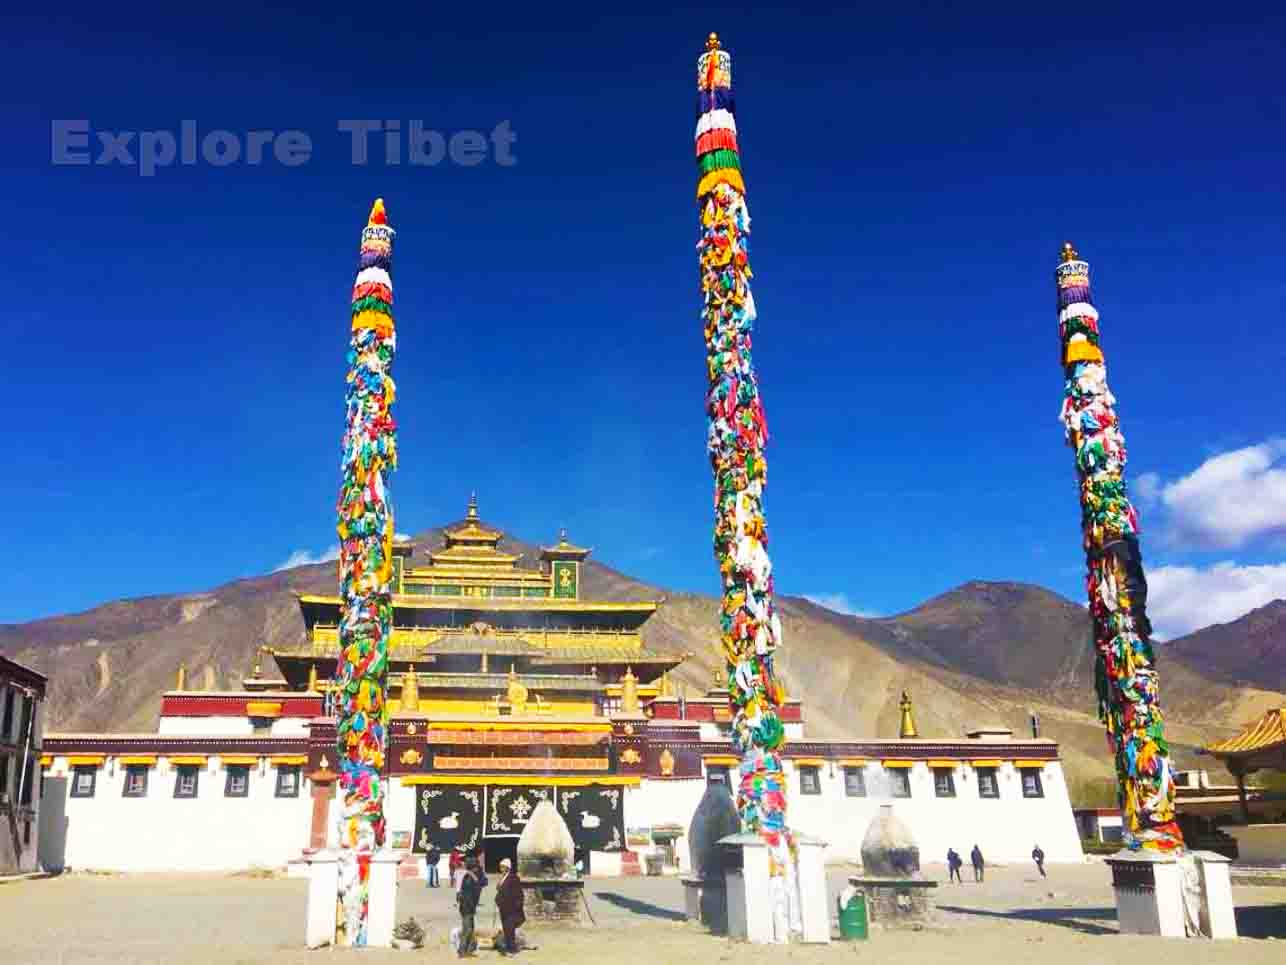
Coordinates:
(410, 690)
(256, 670)
(312, 678)
(472, 512)
(1069, 253)
(712, 42)
(629, 692)
(906, 729)
(181, 678)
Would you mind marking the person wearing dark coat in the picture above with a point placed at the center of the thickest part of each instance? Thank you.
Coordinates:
(1039, 857)
(509, 904)
(431, 859)
(954, 863)
(975, 856)
(466, 898)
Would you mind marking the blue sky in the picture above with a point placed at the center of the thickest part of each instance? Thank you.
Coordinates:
(175, 375)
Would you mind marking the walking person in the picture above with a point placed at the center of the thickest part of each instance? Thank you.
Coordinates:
(466, 899)
(975, 856)
(954, 863)
(431, 859)
(1039, 857)
(509, 904)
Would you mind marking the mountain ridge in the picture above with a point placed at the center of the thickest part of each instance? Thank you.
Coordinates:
(982, 653)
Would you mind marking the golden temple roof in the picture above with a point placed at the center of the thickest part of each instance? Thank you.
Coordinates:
(472, 530)
(1264, 734)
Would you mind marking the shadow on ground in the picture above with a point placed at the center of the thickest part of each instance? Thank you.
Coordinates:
(637, 907)
(1262, 921)
(1077, 919)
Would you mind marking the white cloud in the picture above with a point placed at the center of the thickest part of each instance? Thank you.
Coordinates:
(306, 558)
(1186, 598)
(1147, 488)
(840, 603)
(1227, 501)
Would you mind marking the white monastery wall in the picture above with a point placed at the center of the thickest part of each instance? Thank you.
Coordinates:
(1005, 828)
(225, 726)
(159, 832)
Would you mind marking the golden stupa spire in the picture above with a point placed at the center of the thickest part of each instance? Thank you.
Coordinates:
(472, 512)
(629, 692)
(1069, 253)
(410, 690)
(906, 729)
(712, 42)
(181, 678)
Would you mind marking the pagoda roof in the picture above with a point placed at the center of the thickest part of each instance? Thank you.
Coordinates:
(415, 602)
(498, 682)
(1259, 744)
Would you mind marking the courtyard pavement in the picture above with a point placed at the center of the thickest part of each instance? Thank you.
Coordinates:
(1066, 919)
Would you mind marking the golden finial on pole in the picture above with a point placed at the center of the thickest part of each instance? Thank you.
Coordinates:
(712, 42)
(181, 678)
(410, 690)
(1069, 253)
(312, 678)
(629, 692)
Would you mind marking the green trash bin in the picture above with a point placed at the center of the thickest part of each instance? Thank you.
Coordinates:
(852, 919)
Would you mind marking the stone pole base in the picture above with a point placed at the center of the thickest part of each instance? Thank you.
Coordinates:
(383, 899)
(766, 910)
(323, 897)
(1150, 894)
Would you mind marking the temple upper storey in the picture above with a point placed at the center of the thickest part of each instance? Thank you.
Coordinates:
(474, 607)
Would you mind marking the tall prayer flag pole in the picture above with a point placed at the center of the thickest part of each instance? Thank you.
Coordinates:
(365, 526)
(1128, 700)
(750, 629)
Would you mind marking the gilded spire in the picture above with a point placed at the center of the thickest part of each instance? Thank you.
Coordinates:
(712, 42)
(629, 692)
(1069, 253)
(181, 678)
(410, 690)
(312, 678)
(906, 729)
(472, 512)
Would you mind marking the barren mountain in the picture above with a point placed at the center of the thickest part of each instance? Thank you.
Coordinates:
(1249, 650)
(983, 653)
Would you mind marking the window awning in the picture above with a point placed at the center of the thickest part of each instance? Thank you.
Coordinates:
(1030, 764)
(187, 759)
(95, 760)
(237, 759)
(899, 764)
(148, 759)
(988, 762)
(288, 759)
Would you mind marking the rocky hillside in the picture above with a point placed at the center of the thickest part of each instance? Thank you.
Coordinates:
(983, 653)
(1250, 650)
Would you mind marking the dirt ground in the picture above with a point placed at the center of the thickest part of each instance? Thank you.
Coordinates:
(1066, 919)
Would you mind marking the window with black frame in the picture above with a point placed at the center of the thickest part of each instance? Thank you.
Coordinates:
(83, 779)
(186, 780)
(238, 781)
(810, 780)
(135, 780)
(988, 786)
(899, 781)
(288, 780)
(854, 782)
(1031, 782)
(944, 782)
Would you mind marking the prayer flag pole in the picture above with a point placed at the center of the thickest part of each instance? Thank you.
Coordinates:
(1128, 700)
(365, 526)
(750, 630)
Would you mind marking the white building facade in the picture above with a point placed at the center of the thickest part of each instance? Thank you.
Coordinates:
(247, 779)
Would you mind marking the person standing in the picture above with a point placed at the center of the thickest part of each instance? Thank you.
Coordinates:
(466, 899)
(954, 864)
(431, 859)
(975, 856)
(1039, 857)
(509, 903)
(455, 864)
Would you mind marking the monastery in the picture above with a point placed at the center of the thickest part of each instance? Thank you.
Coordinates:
(506, 687)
